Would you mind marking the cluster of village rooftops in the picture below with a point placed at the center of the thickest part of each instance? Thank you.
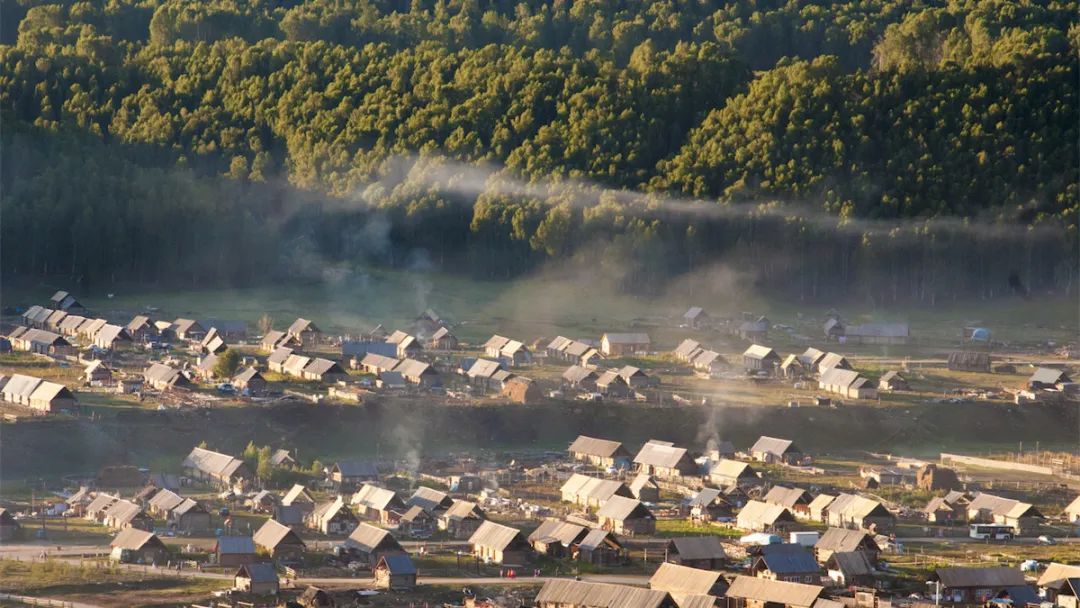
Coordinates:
(421, 360)
(610, 496)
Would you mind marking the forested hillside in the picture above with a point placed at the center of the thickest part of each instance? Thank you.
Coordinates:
(917, 149)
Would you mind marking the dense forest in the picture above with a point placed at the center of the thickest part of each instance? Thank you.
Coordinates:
(892, 149)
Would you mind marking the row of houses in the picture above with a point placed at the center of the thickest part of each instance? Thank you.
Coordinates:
(391, 369)
(38, 394)
(285, 360)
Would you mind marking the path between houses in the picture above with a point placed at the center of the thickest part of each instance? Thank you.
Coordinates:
(46, 601)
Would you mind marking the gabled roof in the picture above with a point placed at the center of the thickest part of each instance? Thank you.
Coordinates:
(597, 537)
(20, 385)
(397, 564)
(811, 357)
(576, 373)
(706, 497)
(356, 468)
(687, 348)
(757, 351)
(592, 487)
(368, 538)
(699, 547)
(374, 497)
(320, 366)
(983, 578)
(247, 375)
(1056, 573)
(495, 536)
(566, 592)
(621, 508)
(842, 539)
(658, 454)
(441, 333)
(756, 513)
(134, 539)
(773, 445)
(413, 368)
(272, 533)
(496, 342)
(429, 499)
(297, 493)
(555, 531)
(483, 368)
(851, 563)
(676, 579)
(461, 510)
(380, 361)
(774, 592)
(626, 338)
(165, 500)
(558, 343)
(159, 372)
(280, 355)
(235, 545)
(262, 572)
(47, 391)
(213, 463)
(836, 376)
(592, 446)
(788, 559)
(725, 467)
(1048, 375)
(831, 360)
(787, 497)
(299, 326)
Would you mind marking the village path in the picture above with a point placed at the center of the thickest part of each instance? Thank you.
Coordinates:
(45, 601)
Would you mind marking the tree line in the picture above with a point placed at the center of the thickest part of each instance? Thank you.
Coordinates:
(192, 142)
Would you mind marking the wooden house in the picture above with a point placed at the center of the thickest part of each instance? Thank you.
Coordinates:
(461, 520)
(443, 339)
(332, 517)
(164, 377)
(395, 572)
(771, 450)
(378, 504)
(702, 552)
(844, 540)
(499, 544)
(753, 592)
(623, 344)
(233, 551)
(256, 579)
(134, 546)
(599, 547)
(759, 358)
(792, 563)
(370, 543)
(580, 378)
(188, 330)
(626, 516)
(555, 538)
(695, 317)
(304, 333)
(279, 541)
(663, 460)
(686, 582)
(758, 516)
(644, 488)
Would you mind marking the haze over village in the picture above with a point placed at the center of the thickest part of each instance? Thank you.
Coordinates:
(540, 304)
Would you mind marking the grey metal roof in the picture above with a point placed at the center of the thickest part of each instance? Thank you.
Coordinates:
(621, 508)
(958, 577)
(699, 547)
(568, 592)
(593, 446)
(397, 563)
(773, 445)
(272, 533)
(230, 545)
(851, 563)
(368, 538)
(659, 455)
(774, 592)
(674, 578)
(495, 536)
(258, 573)
(133, 539)
(842, 540)
(788, 559)
(429, 499)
